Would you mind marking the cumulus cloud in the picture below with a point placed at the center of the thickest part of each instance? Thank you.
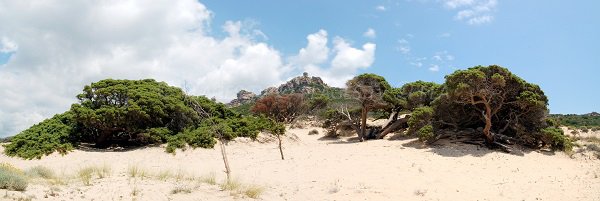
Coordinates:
(370, 33)
(335, 65)
(57, 47)
(380, 8)
(474, 12)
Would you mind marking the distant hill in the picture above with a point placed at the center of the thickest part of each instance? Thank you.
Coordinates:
(576, 120)
(303, 84)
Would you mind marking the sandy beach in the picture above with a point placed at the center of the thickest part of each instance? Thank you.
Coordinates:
(322, 169)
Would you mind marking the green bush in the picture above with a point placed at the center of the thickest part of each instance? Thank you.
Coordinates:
(425, 133)
(556, 139)
(50, 135)
(12, 178)
(420, 118)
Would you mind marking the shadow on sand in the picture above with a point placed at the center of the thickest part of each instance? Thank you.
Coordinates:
(88, 147)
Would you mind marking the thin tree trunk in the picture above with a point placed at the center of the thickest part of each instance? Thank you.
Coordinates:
(488, 124)
(225, 161)
(363, 123)
(280, 148)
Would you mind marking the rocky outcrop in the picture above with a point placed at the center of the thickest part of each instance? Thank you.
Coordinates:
(243, 97)
(302, 84)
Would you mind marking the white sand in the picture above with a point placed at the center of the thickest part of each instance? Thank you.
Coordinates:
(317, 169)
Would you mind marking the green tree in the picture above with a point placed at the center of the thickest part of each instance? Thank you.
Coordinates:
(412, 95)
(50, 135)
(119, 111)
(368, 90)
(505, 102)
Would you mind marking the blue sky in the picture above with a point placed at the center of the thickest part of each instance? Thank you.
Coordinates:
(551, 43)
(50, 49)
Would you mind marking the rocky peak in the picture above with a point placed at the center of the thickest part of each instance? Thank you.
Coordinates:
(243, 97)
(302, 84)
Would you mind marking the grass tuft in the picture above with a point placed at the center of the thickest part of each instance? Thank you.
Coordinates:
(85, 175)
(181, 189)
(12, 181)
(210, 178)
(40, 171)
(231, 185)
(134, 171)
(254, 191)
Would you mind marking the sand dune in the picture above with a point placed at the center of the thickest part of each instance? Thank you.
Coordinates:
(318, 169)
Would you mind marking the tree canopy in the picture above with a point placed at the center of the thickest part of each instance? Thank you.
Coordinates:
(368, 90)
(136, 113)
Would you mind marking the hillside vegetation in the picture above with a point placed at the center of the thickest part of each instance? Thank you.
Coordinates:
(130, 113)
(486, 105)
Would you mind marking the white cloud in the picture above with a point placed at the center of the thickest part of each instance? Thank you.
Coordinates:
(474, 12)
(434, 68)
(370, 33)
(59, 47)
(7, 46)
(403, 46)
(344, 63)
(380, 8)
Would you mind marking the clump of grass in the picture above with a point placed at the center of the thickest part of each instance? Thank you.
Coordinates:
(313, 132)
(12, 181)
(40, 171)
(164, 175)
(181, 189)
(253, 191)
(134, 171)
(231, 185)
(10, 168)
(103, 171)
(210, 178)
(85, 175)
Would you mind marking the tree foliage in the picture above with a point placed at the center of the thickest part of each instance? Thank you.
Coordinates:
(412, 95)
(505, 101)
(44, 138)
(419, 118)
(282, 108)
(368, 90)
(136, 113)
(120, 111)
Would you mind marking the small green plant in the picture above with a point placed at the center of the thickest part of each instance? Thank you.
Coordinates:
(313, 132)
(209, 178)
(425, 133)
(231, 185)
(85, 175)
(102, 171)
(253, 191)
(134, 171)
(40, 171)
(181, 189)
(11, 180)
